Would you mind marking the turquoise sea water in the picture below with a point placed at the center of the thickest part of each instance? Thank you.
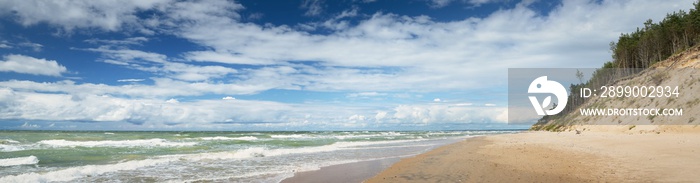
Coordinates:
(79, 156)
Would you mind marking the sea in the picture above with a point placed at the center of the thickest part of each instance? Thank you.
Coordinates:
(101, 156)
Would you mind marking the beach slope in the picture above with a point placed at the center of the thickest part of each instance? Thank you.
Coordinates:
(556, 157)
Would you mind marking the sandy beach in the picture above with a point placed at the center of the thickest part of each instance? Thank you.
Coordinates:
(613, 156)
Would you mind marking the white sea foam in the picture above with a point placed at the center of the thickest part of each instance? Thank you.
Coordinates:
(289, 136)
(8, 141)
(254, 152)
(29, 160)
(116, 143)
(69, 174)
(109, 133)
(10, 148)
(72, 173)
(248, 138)
(388, 135)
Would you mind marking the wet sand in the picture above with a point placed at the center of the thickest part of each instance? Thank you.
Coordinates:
(350, 172)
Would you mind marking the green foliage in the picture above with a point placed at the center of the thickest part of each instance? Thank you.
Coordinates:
(634, 52)
(657, 41)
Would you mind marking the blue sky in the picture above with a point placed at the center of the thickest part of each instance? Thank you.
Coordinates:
(290, 65)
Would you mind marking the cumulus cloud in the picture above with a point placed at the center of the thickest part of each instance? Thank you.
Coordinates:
(441, 113)
(30, 65)
(432, 53)
(65, 107)
(417, 51)
(69, 15)
(130, 80)
(162, 88)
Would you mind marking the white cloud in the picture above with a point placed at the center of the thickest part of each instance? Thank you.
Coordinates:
(127, 41)
(463, 104)
(428, 54)
(28, 125)
(5, 44)
(436, 100)
(228, 98)
(59, 107)
(224, 57)
(353, 12)
(440, 3)
(441, 113)
(189, 72)
(255, 16)
(389, 52)
(366, 94)
(480, 2)
(160, 64)
(130, 80)
(313, 7)
(34, 46)
(380, 115)
(30, 65)
(128, 55)
(69, 15)
(162, 88)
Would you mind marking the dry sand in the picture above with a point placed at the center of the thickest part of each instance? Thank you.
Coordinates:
(556, 157)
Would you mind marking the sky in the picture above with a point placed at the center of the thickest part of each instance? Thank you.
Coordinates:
(291, 65)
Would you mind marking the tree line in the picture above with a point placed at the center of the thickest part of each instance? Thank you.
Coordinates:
(636, 51)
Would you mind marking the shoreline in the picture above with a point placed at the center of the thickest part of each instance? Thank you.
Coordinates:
(555, 157)
(346, 172)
